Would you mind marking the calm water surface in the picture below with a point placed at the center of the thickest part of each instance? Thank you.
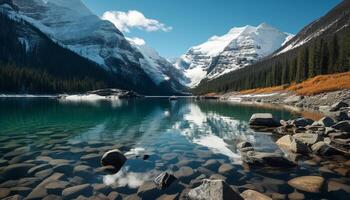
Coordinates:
(190, 139)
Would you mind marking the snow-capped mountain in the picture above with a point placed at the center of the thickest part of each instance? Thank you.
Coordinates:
(157, 66)
(222, 54)
(71, 24)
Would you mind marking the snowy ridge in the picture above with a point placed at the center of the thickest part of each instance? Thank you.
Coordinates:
(72, 25)
(240, 47)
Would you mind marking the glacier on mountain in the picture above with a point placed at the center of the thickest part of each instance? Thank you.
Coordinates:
(240, 47)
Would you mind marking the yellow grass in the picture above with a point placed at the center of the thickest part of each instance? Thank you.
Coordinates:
(312, 86)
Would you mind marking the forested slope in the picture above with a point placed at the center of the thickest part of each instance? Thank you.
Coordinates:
(323, 47)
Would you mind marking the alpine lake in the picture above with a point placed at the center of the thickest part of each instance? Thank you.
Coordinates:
(43, 139)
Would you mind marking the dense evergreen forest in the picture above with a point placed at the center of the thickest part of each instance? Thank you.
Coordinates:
(44, 68)
(327, 53)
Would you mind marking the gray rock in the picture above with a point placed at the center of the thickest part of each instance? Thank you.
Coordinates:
(39, 192)
(311, 184)
(242, 145)
(302, 122)
(56, 187)
(262, 159)
(254, 195)
(114, 158)
(337, 106)
(329, 130)
(184, 172)
(82, 170)
(213, 189)
(325, 121)
(147, 189)
(14, 197)
(307, 138)
(343, 126)
(76, 191)
(4, 192)
(342, 116)
(225, 168)
(38, 168)
(16, 171)
(293, 99)
(114, 196)
(164, 180)
(299, 147)
(263, 119)
(292, 144)
(322, 148)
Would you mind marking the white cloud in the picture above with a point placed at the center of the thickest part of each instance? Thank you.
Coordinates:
(134, 19)
(136, 40)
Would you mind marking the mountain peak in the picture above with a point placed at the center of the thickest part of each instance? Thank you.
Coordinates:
(238, 48)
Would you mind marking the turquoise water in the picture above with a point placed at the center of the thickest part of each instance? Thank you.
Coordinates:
(188, 138)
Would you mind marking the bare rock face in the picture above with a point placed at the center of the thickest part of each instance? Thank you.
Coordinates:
(113, 158)
(311, 184)
(254, 195)
(263, 119)
(213, 189)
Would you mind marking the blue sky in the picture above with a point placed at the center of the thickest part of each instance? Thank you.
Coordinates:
(172, 26)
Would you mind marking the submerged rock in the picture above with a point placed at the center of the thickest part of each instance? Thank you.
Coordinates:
(254, 195)
(264, 119)
(114, 158)
(311, 184)
(76, 191)
(262, 159)
(164, 180)
(213, 189)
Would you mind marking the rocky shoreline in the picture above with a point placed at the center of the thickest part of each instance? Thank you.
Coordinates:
(320, 102)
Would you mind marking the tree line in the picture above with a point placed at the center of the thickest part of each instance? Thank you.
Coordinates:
(322, 55)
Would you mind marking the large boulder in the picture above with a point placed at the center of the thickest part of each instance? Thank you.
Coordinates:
(254, 195)
(213, 189)
(343, 126)
(307, 138)
(113, 158)
(302, 122)
(76, 191)
(342, 116)
(263, 159)
(337, 106)
(322, 148)
(325, 121)
(311, 184)
(291, 144)
(263, 119)
(164, 180)
(293, 99)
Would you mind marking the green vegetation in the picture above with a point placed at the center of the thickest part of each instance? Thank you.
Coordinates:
(323, 55)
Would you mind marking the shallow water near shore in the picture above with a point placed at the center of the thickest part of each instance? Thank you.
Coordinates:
(190, 139)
